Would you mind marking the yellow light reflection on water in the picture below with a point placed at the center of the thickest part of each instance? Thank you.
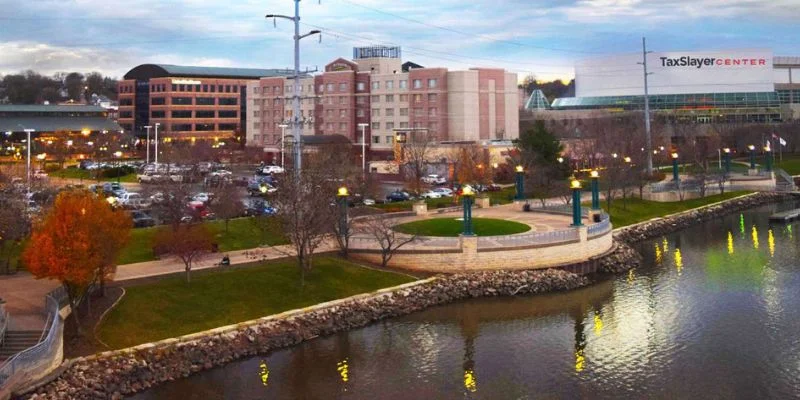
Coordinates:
(631, 277)
(598, 324)
(678, 260)
(754, 234)
(580, 361)
(469, 381)
(771, 243)
(263, 372)
(344, 370)
(730, 242)
(659, 255)
(666, 245)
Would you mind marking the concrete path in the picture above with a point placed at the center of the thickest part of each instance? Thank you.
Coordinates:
(24, 296)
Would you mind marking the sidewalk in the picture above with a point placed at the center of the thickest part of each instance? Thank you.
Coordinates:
(24, 296)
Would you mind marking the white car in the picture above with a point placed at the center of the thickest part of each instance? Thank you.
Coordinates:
(272, 169)
(434, 179)
(221, 172)
(134, 200)
(203, 197)
(445, 192)
(430, 194)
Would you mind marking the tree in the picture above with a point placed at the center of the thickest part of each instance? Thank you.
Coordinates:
(539, 152)
(471, 164)
(227, 206)
(14, 227)
(416, 151)
(389, 240)
(187, 242)
(74, 84)
(170, 201)
(76, 243)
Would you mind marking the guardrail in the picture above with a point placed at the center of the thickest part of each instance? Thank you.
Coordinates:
(599, 228)
(4, 319)
(32, 363)
(534, 238)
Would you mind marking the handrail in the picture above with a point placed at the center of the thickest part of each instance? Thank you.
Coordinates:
(4, 321)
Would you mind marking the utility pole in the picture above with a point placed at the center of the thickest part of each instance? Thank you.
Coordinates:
(363, 127)
(295, 121)
(647, 135)
(147, 144)
(28, 168)
(157, 125)
(283, 139)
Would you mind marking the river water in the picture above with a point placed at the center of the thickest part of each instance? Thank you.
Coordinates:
(714, 312)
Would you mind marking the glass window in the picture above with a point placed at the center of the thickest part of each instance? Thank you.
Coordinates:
(155, 114)
(360, 99)
(181, 127)
(255, 90)
(376, 139)
(342, 87)
(404, 98)
(376, 85)
(228, 101)
(389, 126)
(203, 127)
(376, 112)
(213, 88)
(417, 83)
(126, 114)
(433, 111)
(389, 84)
(127, 102)
(228, 127)
(182, 101)
(417, 98)
(375, 99)
(330, 87)
(360, 86)
(432, 83)
(205, 89)
(343, 100)
(158, 101)
(404, 125)
(432, 97)
(181, 114)
(376, 126)
(181, 88)
(228, 114)
(360, 112)
(403, 84)
(174, 87)
(342, 113)
(390, 112)
(204, 101)
(403, 112)
(321, 88)
(204, 114)
(390, 98)
(342, 126)
(389, 139)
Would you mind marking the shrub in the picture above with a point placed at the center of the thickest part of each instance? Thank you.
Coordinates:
(117, 171)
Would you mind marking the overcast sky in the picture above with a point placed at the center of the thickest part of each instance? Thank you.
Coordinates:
(541, 37)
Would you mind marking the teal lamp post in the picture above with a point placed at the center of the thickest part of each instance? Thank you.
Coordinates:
(467, 196)
(768, 156)
(752, 156)
(575, 185)
(595, 190)
(675, 176)
(342, 194)
(727, 154)
(520, 172)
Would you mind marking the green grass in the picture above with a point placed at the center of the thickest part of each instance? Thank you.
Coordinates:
(634, 210)
(790, 164)
(171, 307)
(75, 173)
(242, 234)
(11, 252)
(452, 227)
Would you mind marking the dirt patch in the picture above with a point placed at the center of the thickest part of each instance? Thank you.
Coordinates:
(89, 313)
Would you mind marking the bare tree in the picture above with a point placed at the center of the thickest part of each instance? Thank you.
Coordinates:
(416, 151)
(187, 242)
(14, 227)
(389, 240)
(226, 205)
(170, 199)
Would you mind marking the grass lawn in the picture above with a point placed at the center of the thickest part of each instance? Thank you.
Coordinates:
(635, 210)
(790, 164)
(242, 234)
(452, 227)
(10, 254)
(172, 308)
(75, 173)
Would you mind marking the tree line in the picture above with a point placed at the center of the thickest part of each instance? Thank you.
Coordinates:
(31, 87)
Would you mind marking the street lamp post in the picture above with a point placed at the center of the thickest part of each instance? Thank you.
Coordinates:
(575, 185)
(520, 172)
(727, 153)
(117, 156)
(283, 139)
(595, 190)
(156, 149)
(342, 194)
(29, 144)
(768, 156)
(675, 176)
(752, 156)
(147, 143)
(467, 197)
(363, 127)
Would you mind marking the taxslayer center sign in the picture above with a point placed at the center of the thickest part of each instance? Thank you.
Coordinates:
(728, 71)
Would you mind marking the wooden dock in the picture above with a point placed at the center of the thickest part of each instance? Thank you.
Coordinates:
(786, 216)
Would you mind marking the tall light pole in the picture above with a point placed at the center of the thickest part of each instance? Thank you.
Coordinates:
(295, 122)
(363, 127)
(28, 168)
(283, 139)
(147, 144)
(156, 149)
(647, 138)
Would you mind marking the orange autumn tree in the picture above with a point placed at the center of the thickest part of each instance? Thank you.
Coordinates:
(77, 243)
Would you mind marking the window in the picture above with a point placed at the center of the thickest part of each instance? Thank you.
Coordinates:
(376, 85)
(404, 125)
(227, 88)
(404, 98)
(359, 112)
(360, 86)
(389, 139)
(390, 98)
(433, 126)
(219, 88)
(183, 101)
(375, 99)
(432, 111)
(343, 100)
(403, 84)
(330, 87)
(376, 112)
(181, 88)
(418, 112)
(376, 126)
(432, 83)
(342, 87)
(432, 97)
(376, 139)
(181, 127)
(322, 88)
(329, 126)
(403, 112)
(228, 127)
(417, 98)
(389, 126)
(158, 101)
(360, 99)
(204, 101)
(228, 101)
(328, 113)
(417, 83)
(203, 127)
(256, 113)
(157, 114)
(342, 113)
(389, 84)
(213, 88)
(390, 112)
(276, 89)
(181, 114)
(342, 127)
(204, 114)
(255, 90)
(189, 88)
(205, 88)
(126, 102)
(126, 114)
(227, 114)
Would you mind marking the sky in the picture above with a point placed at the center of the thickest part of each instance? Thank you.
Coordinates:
(543, 38)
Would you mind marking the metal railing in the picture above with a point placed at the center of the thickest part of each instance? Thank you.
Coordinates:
(599, 228)
(4, 320)
(534, 238)
(29, 364)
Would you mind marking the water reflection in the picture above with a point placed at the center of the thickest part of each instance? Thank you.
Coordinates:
(709, 314)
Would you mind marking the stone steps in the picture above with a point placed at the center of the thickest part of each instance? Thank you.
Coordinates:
(16, 341)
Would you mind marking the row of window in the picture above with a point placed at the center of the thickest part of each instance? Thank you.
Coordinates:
(789, 96)
(203, 127)
(200, 101)
(203, 88)
(126, 89)
(197, 114)
(343, 87)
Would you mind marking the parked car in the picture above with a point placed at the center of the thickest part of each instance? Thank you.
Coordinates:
(150, 177)
(203, 197)
(398, 195)
(444, 192)
(134, 200)
(430, 194)
(39, 175)
(272, 169)
(142, 220)
(434, 179)
(256, 207)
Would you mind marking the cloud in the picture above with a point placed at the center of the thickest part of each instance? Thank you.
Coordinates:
(640, 12)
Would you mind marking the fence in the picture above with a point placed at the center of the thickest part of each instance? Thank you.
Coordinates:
(33, 363)
(4, 319)
(599, 228)
(534, 238)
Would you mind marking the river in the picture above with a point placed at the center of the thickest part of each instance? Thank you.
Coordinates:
(714, 312)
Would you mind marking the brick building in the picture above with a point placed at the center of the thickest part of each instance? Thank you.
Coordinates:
(187, 102)
(378, 90)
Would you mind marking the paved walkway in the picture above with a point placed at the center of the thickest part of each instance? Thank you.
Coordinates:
(24, 296)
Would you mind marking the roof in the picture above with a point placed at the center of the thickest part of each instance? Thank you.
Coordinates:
(49, 108)
(148, 71)
(54, 124)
